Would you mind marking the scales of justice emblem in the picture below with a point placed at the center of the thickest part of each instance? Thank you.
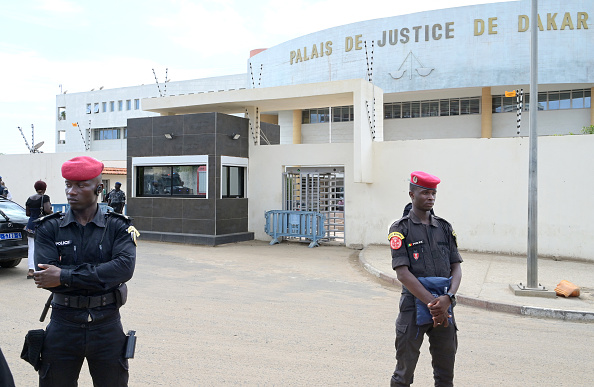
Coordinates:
(410, 60)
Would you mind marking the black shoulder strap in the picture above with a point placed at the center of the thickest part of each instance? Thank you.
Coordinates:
(50, 216)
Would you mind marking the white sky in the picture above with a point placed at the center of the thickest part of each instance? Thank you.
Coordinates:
(83, 45)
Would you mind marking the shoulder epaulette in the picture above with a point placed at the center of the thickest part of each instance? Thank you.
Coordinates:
(50, 216)
(116, 214)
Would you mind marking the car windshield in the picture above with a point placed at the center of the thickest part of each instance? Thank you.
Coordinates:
(13, 211)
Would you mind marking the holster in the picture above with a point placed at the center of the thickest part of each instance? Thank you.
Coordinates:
(31, 352)
(121, 294)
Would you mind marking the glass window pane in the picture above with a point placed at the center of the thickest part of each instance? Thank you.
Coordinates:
(235, 181)
(324, 115)
(336, 113)
(454, 107)
(415, 109)
(587, 97)
(104, 107)
(526, 102)
(565, 100)
(88, 108)
(388, 110)
(444, 107)
(433, 108)
(184, 180)
(425, 109)
(120, 105)
(202, 181)
(496, 104)
(154, 180)
(475, 106)
(464, 106)
(577, 99)
(346, 113)
(510, 104)
(111, 106)
(406, 113)
(305, 116)
(542, 101)
(553, 101)
(396, 113)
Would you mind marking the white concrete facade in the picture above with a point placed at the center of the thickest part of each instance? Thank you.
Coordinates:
(484, 189)
(101, 116)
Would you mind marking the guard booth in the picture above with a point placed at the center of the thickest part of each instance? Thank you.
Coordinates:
(318, 189)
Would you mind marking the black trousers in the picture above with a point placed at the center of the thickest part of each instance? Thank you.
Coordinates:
(443, 343)
(66, 346)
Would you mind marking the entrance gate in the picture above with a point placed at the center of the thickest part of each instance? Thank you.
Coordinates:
(321, 190)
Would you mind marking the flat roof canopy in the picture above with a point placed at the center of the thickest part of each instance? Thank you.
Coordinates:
(306, 96)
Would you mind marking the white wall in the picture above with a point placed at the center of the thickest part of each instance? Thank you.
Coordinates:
(20, 172)
(483, 192)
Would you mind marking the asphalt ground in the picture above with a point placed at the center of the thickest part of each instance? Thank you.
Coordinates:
(250, 314)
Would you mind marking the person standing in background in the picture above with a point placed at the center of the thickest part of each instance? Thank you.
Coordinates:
(116, 198)
(37, 205)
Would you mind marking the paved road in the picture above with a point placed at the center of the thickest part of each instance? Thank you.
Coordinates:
(250, 314)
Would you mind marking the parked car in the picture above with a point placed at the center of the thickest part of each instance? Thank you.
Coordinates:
(13, 237)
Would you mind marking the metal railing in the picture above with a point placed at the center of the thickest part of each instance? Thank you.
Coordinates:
(295, 224)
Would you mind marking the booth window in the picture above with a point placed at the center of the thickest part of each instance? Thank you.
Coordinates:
(172, 180)
(233, 182)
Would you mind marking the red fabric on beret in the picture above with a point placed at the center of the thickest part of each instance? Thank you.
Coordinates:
(81, 168)
(424, 180)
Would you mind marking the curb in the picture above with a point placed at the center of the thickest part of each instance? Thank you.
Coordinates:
(530, 311)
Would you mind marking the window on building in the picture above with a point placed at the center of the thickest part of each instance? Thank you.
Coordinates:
(104, 107)
(61, 137)
(547, 100)
(120, 105)
(61, 113)
(232, 182)
(111, 106)
(128, 104)
(88, 108)
(125, 130)
(174, 180)
(444, 107)
(136, 104)
(565, 100)
(106, 134)
(96, 108)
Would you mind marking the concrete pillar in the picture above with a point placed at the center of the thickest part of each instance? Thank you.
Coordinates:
(486, 113)
(297, 126)
(591, 107)
(363, 106)
(253, 113)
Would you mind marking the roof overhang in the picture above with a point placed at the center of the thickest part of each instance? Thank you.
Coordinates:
(305, 96)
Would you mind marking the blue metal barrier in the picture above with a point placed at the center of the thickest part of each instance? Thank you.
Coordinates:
(295, 224)
(65, 207)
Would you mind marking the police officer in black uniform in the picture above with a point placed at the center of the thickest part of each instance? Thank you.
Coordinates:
(84, 256)
(424, 245)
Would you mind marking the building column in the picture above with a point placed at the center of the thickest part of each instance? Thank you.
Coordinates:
(591, 107)
(297, 114)
(486, 113)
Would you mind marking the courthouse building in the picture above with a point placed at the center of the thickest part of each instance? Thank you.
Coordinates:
(346, 108)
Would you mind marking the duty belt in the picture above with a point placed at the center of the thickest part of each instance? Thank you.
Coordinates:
(84, 302)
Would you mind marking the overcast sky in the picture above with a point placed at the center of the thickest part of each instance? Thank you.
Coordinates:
(83, 45)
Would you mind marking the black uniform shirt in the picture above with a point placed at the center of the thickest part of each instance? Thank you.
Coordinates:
(94, 258)
(427, 249)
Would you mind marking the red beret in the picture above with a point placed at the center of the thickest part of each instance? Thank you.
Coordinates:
(424, 180)
(81, 168)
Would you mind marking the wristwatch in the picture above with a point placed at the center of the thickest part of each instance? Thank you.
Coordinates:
(452, 298)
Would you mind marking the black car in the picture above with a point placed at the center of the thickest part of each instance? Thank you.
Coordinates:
(13, 237)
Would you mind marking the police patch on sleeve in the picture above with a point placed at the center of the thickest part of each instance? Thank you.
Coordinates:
(395, 239)
(393, 234)
(455, 237)
(395, 243)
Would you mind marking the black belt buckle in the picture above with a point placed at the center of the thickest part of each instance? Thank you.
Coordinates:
(83, 301)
